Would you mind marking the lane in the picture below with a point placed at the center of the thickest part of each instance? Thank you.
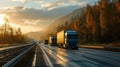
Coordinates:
(59, 61)
(56, 62)
(84, 57)
(40, 62)
(70, 60)
(107, 62)
(103, 57)
(114, 56)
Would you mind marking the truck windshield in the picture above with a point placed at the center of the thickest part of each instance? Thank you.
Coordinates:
(54, 38)
(72, 37)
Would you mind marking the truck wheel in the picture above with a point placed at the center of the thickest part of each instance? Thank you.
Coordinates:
(59, 45)
(76, 48)
(66, 47)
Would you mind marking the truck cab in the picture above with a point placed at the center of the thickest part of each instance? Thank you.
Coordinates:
(71, 39)
(67, 39)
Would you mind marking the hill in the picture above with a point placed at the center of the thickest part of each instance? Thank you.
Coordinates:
(67, 19)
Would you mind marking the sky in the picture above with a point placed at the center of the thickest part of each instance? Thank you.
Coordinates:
(37, 15)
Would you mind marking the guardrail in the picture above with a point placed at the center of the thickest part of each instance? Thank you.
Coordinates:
(5, 48)
(10, 50)
(17, 58)
(109, 48)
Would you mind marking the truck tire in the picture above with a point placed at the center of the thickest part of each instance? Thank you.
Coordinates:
(66, 47)
(59, 45)
(76, 48)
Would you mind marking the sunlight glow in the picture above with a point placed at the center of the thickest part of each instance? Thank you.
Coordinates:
(2, 18)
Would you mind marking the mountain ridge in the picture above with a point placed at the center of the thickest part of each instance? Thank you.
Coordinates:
(52, 28)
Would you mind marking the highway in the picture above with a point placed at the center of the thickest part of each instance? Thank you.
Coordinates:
(51, 56)
(58, 57)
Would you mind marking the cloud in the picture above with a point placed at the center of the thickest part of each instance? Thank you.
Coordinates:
(52, 4)
(25, 1)
(41, 18)
(22, 1)
(35, 17)
(63, 3)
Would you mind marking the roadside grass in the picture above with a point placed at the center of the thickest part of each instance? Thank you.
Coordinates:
(4, 45)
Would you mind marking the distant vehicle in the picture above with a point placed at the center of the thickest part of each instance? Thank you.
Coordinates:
(67, 39)
(46, 42)
(39, 42)
(52, 40)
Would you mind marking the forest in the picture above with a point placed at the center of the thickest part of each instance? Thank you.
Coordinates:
(99, 23)
(10, 34)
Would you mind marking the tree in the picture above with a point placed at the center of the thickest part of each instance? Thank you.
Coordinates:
(10, 35)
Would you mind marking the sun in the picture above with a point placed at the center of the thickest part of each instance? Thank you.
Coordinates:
(2, 19)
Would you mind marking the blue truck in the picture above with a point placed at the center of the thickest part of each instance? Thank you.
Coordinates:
(67, 39)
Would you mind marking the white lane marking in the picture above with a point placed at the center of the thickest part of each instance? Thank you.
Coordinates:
(72, 63)
(45, 60)
(63, 59)
(49, 62)
(34, 60)
(65, 62)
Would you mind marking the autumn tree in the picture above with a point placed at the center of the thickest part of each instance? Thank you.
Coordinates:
(9, 34)
(97, 23)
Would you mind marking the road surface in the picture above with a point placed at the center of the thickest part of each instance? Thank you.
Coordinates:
(82, 57)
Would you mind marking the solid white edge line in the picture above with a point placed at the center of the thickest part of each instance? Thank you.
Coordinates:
(49, 62)
(34, 60)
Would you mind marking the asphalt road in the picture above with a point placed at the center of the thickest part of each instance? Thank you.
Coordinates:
(40, 62)
(52, 56)
(82, 57)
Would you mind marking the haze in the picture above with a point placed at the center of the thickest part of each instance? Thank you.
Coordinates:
(37, 15)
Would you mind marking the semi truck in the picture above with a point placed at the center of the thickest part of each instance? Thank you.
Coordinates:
(45, 42)
(52, 40)
(67, 39)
